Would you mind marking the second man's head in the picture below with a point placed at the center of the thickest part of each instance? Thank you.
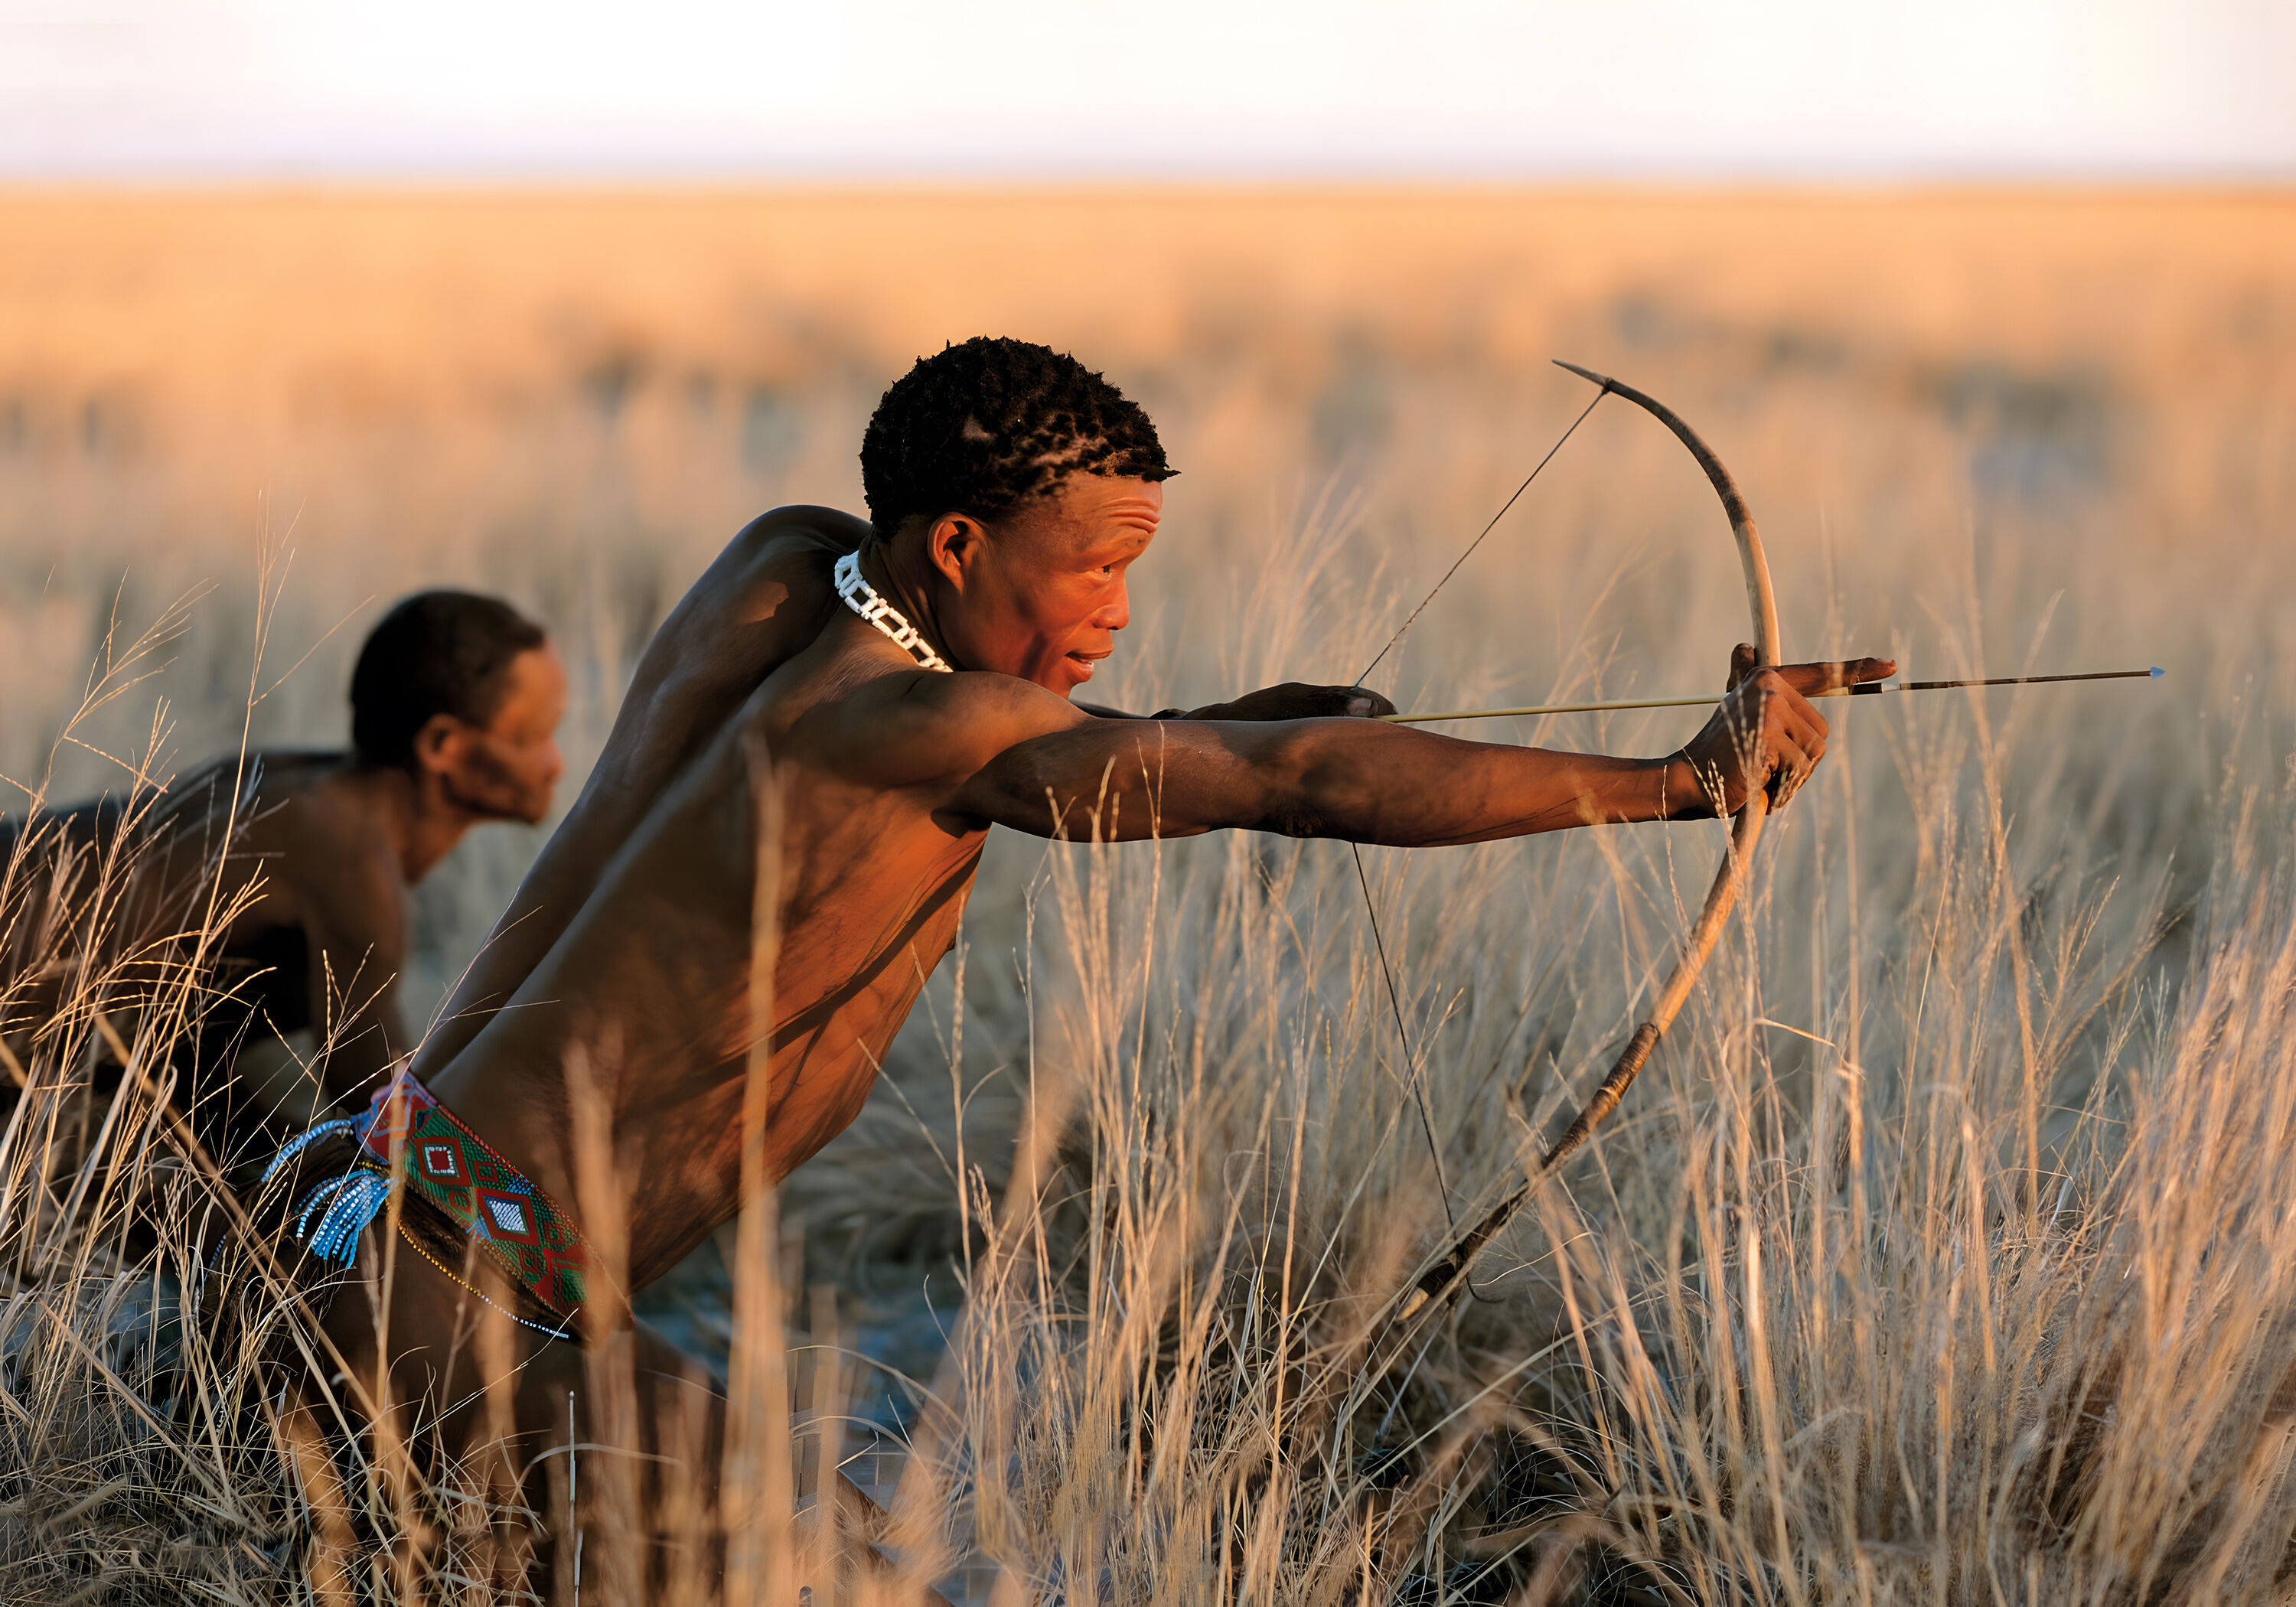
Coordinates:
(463, 694)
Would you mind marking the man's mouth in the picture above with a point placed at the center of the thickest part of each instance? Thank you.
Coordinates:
(1085, 660)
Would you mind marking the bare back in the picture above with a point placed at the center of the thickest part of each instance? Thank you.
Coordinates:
(644, 995)
(762, 600)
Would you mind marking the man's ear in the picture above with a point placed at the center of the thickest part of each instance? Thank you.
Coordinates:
(439, 745)
(954, 544)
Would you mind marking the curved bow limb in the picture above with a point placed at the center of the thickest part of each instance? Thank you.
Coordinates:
(1449, 1272)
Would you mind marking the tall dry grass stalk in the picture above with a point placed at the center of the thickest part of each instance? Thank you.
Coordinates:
(131, 1360)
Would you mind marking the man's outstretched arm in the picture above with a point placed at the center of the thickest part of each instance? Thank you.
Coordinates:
(1367, 781)
(1361, 780)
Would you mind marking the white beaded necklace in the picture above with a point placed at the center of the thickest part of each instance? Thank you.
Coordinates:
(862, 598)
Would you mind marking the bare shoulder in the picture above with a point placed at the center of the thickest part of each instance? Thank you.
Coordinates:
(799, 526)
(896, 727)
(760, 601)
(302, 827)
(777, 558)
(232, 798)
(330, 841)
(330, 821)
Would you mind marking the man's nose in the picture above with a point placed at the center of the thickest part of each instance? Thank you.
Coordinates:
(1116, 613)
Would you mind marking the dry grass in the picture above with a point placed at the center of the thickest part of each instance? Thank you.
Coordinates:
(1940, 1255)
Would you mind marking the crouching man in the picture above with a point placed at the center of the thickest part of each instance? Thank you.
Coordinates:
(898, 686)
(299, 865)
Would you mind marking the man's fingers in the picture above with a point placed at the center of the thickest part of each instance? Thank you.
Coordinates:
(1775, 688)
(1807, 735)
(1802, 717)
(1299, 701)
(1802, 733)
(1794, 732)
(1768, 734)
(1854, 672)
(1810, 679)
(1781, 788)
(1794, 764)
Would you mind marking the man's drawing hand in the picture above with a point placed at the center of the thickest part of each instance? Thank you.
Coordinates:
(1297, 700)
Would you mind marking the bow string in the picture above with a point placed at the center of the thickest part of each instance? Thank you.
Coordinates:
(1443, 1274)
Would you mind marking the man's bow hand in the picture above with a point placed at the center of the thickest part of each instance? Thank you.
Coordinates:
(1293, 700)
(1766, 733)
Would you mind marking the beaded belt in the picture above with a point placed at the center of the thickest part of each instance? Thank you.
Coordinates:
(407, 1136)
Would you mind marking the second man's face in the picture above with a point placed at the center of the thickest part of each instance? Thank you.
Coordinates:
(513, 768)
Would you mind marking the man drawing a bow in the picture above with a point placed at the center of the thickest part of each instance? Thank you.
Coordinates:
(879, 694)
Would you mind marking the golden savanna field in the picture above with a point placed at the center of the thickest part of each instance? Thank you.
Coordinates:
(1944, 1251)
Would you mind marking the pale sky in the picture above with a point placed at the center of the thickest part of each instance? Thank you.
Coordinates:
(1185, 89)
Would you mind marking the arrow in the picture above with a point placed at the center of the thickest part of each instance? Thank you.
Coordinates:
(1868, 689)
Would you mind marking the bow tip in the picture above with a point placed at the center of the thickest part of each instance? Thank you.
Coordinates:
(1588, 374)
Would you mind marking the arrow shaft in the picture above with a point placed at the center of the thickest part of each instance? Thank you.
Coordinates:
(1869, 689)
(2094, 675)
(1488, 714)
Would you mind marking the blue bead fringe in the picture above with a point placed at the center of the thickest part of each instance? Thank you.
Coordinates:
(353, 1201)
(304, 1140)
(359, 1199)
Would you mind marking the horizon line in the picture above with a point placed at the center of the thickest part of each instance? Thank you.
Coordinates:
(2261, 181)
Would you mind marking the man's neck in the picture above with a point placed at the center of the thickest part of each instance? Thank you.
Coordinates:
(423, 823)
(902, 576)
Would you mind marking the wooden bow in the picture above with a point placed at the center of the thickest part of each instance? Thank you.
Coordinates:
(1448, 1273)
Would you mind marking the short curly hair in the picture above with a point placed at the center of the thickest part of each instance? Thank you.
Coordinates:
(980, 427)
(434, 652)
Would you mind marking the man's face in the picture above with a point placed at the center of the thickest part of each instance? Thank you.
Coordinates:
(508, 769)
(1043, 595)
